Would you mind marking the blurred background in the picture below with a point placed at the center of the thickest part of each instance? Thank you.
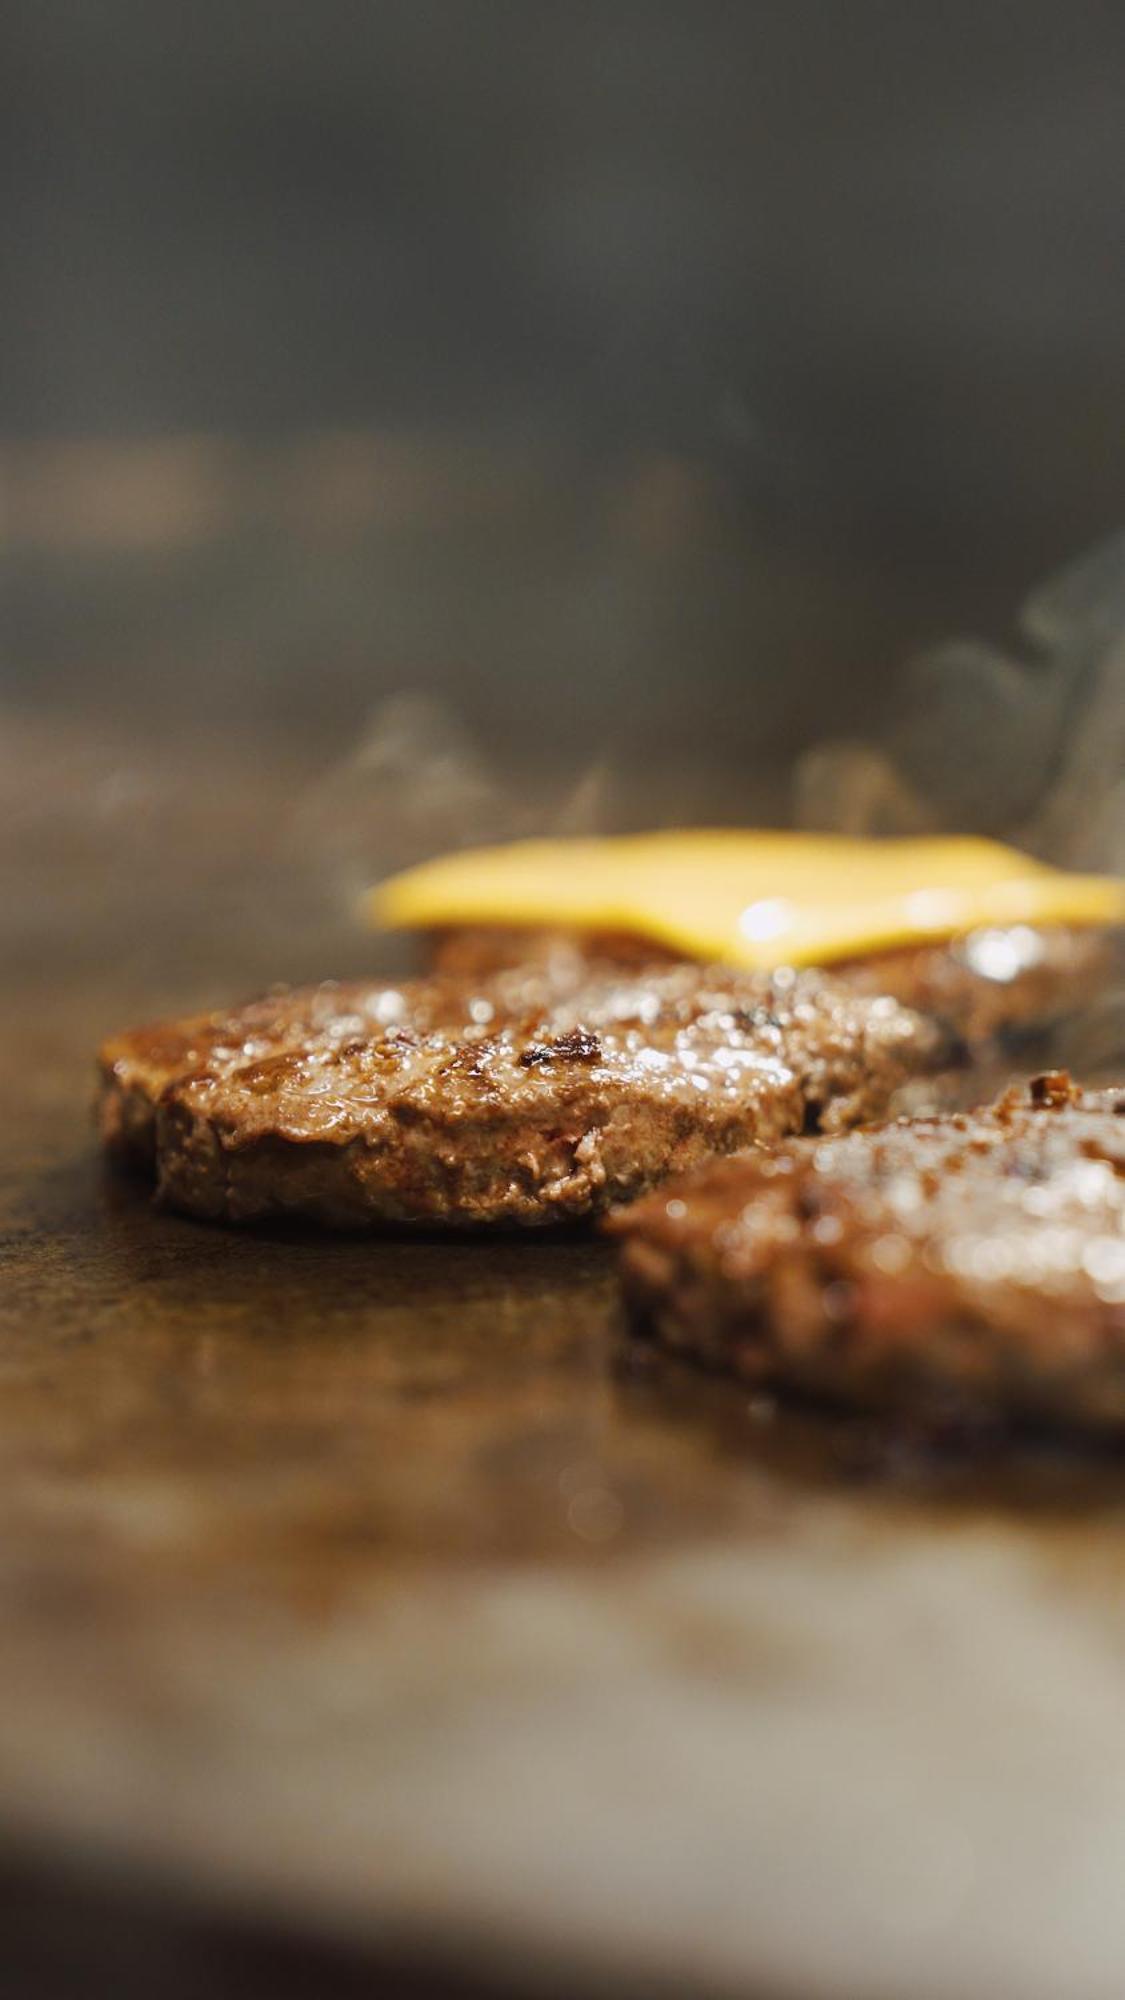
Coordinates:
(422, 421)
(643, 381)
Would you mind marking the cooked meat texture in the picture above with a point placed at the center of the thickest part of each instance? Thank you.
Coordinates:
(476, 951)
(136, 1067)
(502, 1102)
(996, 982)
(988, 983)
(973, 1264)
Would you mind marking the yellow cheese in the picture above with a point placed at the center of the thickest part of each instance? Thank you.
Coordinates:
(756, 899)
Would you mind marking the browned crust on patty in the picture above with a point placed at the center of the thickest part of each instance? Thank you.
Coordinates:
(971, 1263)
(515, 1100)
(476, 951)
(136, 1067)
(987, 983)
(999, 981)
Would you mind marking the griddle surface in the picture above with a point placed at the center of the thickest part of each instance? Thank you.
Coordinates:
(375, 1591)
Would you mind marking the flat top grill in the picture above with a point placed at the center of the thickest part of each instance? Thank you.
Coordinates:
(373, 1589)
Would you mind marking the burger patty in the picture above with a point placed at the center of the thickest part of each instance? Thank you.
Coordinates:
(137, 1067)
(987, 983)
(996, 982)
(511, 1100)
(974, 1263)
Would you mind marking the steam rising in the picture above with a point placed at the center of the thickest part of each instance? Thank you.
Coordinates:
(415, 784)
(419, 784)
(1028, 747)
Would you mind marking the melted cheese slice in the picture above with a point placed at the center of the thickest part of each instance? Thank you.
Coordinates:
(755, 899)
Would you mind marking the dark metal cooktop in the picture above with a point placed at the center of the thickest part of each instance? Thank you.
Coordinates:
(372, 1593)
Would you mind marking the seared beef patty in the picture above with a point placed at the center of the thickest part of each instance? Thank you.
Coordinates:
(974, 1262)
(138, 1066)
(996, 982)
(475, 951)
(513, 1099)
(987, 983)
